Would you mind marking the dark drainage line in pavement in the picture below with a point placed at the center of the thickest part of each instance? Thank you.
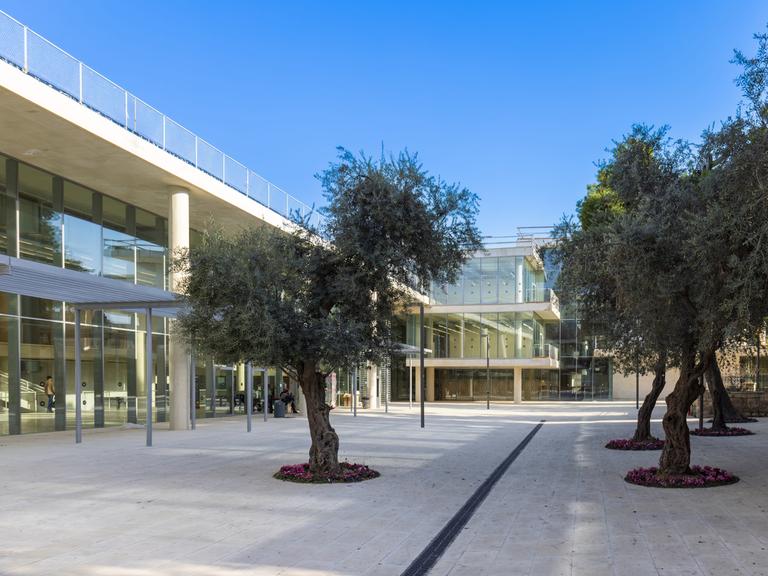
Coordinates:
(425, 561)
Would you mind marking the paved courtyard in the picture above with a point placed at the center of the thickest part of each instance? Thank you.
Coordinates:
(203, 502)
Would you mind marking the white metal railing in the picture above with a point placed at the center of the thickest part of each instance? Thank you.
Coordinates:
(48, 63)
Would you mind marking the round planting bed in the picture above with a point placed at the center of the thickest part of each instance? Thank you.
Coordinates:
(349, 473)
(700, 477)
(629, 444)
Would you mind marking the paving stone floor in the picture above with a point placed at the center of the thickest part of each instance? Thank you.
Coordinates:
(203, 502)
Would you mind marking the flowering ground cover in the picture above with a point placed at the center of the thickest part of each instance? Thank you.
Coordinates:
(730, 431)
(349, 473)
(629, 444)
(700, 477)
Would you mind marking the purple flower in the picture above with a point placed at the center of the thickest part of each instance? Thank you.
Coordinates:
(700, 476)
(349, 473)
(621, 444)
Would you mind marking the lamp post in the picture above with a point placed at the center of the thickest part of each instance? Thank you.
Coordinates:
(487, 337)
(422, 371)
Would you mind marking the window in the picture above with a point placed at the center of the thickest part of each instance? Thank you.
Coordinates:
(39, 223)
(82, 231)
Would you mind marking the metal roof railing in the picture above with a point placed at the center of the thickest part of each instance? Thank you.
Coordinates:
(48, 63)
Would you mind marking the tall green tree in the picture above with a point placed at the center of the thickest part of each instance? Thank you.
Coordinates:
(611, 256)
(314, 301)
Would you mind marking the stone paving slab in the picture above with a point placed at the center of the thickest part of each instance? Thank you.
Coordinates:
(203, 502)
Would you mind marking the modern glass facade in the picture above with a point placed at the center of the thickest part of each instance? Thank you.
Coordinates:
(474, 329)
(494, 280)
(48, 219)
(461, 335)
(63, 224)
(37, 343)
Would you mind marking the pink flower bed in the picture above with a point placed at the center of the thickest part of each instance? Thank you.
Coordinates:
(700, 477)
(621, 444)
(730, 431)
(349, 473)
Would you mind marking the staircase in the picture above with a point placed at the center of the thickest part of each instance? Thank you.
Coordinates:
(31, 394)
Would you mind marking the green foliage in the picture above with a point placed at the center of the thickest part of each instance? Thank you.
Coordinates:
(672, 251)
(325, 299)
(599, 206)
(618, 264)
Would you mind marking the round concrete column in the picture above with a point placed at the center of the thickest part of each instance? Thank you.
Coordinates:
(178, 354)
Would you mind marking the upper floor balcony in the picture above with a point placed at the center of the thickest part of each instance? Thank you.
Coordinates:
(42, 60)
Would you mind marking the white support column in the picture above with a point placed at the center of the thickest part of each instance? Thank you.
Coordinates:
(519, 288)
(374, 385)
(149, 375)
(78, 387)
(518, 385)
(178, 354)
(301, 401)
(249, 396)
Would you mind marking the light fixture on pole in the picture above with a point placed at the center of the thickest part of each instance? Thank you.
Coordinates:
(487, 337)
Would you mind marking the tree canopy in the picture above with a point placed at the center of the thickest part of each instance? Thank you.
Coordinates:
(315, 300)
(671, 248)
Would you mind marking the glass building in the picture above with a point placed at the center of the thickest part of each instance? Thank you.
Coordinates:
(498, 332)
(98, 191)
(53, 221)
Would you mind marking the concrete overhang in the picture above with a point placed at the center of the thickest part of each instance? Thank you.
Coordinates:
(545, 310)
(495, 363)
(50, 130)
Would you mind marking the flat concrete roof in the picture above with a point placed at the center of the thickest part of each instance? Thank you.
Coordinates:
(50, 130)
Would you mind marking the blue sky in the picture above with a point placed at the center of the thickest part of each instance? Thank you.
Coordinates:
(514, 100)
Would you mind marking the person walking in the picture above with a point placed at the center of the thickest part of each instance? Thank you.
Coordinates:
(50, 391)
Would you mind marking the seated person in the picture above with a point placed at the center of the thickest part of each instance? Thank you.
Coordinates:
(287, 398)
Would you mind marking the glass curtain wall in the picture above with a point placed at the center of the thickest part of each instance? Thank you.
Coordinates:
(494, 280)
(583, 375)
(63, 223)
(510, 335)
(473, 384)
(39, 216)
(38, 360)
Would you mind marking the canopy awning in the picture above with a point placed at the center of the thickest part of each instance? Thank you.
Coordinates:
(84, 291)
(408, 350)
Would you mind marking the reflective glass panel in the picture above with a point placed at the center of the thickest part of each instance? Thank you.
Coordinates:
(4, 374)
(510, 340)
(82, 236)
(526, 335)
(119, 247)
(489, 322)
(119, 370)
(473, 347)
(150, 249)
(472, 282)
(490, 280)
(454, 328)
(507, 280)
(42, 391)
(39, 223)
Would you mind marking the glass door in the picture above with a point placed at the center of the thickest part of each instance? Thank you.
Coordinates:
(225, 392)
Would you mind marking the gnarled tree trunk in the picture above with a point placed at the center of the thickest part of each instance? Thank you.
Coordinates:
(723, 410)
(643, 430)
(676, 457)
(324, 452)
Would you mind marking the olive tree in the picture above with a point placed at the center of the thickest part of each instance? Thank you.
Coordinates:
(313, 301)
